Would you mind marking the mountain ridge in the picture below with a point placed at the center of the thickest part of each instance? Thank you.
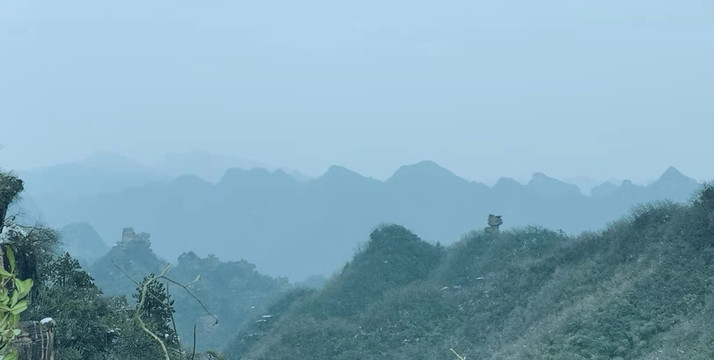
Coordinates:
(251, 213)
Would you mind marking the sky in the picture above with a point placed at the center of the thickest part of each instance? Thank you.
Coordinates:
(604, 89)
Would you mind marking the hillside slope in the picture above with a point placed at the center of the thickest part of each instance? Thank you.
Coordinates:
(639, 289)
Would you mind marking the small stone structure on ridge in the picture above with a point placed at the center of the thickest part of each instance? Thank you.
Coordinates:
(494, 221)
(128, 236)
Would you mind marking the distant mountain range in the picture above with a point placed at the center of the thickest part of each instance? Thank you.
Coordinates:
(109, 172)
(295, 226)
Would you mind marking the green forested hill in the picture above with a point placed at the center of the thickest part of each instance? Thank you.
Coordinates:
(231, 292)
(639, 289)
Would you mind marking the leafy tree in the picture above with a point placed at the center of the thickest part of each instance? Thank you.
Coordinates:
(84, 319)
(13, 290)
(156, 309)
(12, 303)
(66, 272)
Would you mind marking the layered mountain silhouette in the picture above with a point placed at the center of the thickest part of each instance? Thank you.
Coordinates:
(204, 165)
(82, 242)
(99, 173)
(299, 227)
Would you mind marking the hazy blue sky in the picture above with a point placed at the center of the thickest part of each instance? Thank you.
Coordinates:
(605, 88)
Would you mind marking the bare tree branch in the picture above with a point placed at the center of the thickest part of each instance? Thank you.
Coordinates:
(145, 291)
(457, 355)
(137, 314)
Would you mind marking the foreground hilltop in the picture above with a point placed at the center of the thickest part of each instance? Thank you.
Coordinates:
(638, 289)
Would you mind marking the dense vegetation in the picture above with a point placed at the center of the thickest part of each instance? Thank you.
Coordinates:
(230, 293)
(94, 314)
(639, 289)
(88, 324)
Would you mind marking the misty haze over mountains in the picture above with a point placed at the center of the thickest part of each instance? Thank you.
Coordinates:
(365, 180)
(295, 226)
